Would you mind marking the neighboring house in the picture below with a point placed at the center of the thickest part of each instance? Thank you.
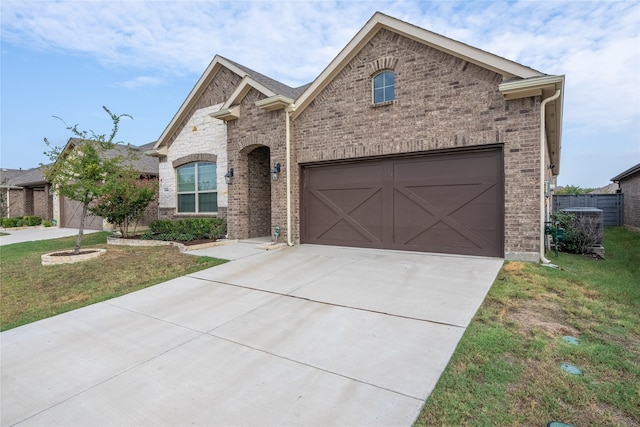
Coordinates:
(29, 193)
(407, 140)
(629, 183)
(69, 211)
(25, 193)
(607, 189)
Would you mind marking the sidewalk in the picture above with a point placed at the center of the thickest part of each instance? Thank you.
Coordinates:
(31, 234)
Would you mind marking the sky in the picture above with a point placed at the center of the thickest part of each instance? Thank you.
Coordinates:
(68, 59)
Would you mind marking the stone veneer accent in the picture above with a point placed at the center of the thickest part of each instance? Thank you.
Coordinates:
(207, 143)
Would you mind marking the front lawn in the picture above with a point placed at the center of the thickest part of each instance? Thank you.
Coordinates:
(506, 369)
(31, 292)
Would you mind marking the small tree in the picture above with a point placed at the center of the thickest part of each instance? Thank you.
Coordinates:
(78, 172)
(124, 199)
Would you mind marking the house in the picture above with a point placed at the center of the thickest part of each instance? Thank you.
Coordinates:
(407, 140)
(629, 184)
(25, 193)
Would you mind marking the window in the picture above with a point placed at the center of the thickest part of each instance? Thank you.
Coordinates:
(384, 87)
(197, 188)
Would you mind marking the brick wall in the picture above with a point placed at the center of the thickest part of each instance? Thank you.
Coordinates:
(42, 204)
(256, 128)
(630, 187)
(442, 102)
(259, 192)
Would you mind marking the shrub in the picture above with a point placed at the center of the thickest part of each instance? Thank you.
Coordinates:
(9, 222)
(185, 230)
(581, 232)
(47, 224)
(33, 220)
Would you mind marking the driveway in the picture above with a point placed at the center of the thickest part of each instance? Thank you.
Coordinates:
(307, 335)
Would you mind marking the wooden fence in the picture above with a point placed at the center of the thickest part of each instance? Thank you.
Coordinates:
(612, 205)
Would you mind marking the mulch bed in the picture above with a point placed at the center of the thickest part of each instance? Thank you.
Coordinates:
(87, 251)
(189, 243)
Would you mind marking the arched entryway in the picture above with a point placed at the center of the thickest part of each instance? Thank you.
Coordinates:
(259, 200)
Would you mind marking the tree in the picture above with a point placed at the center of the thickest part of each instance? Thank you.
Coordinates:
(573, 189)
(78, 169)
(124, 199)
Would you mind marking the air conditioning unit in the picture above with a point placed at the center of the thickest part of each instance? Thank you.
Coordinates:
(591, 219)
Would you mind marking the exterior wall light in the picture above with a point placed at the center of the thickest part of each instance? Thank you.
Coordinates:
(228, 177)
(275, 172)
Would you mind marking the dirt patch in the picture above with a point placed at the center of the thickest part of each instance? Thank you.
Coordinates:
(541, 315)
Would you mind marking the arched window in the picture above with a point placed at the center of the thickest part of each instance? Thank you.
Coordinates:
(197, 187)
(384, 87)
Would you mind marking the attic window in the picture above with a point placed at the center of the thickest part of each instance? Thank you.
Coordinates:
(384, 87)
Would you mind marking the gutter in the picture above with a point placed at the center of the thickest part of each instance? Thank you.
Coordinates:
(543, 138)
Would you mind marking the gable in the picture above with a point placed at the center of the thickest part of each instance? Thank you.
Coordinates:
(507, 69)
(214, 86)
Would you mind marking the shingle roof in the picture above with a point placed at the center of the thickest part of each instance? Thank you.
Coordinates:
(276, 86)
(632, 170)
(22, 178)
(144, 164)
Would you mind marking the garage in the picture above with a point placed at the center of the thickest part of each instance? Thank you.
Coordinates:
(72, 212)
(446, 203)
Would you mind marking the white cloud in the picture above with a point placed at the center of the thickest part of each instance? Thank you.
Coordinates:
(141, 81)
(596, 44)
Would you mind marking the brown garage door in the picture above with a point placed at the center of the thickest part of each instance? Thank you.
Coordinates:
(71, 213)
(446, 203)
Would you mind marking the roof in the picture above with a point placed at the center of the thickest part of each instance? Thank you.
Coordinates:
(16, 178)
(627, 174)
(22, 178)
(250, 78)
(143, 164)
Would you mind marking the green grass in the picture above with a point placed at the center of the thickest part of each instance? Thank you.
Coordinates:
(30, 291)
(505, 370)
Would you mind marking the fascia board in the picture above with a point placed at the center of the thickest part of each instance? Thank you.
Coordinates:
(273, 103)
(516, 87)
(631, 171)
(243, 88)
(503, 66)
(214, 66)
(226, 114)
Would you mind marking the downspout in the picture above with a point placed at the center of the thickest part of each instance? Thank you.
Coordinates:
(287, 113)
(543, 138)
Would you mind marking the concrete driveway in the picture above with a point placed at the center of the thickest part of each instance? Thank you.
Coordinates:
(308, 335)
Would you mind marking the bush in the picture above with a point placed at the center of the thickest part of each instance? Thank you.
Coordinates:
(33, 220)
(21, 221)
(9, 222)
(581, 232)
(47, 224)
(185, 230)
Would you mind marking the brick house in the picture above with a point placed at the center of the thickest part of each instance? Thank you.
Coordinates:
(408, 140)
(629, 185)
(25, 193)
